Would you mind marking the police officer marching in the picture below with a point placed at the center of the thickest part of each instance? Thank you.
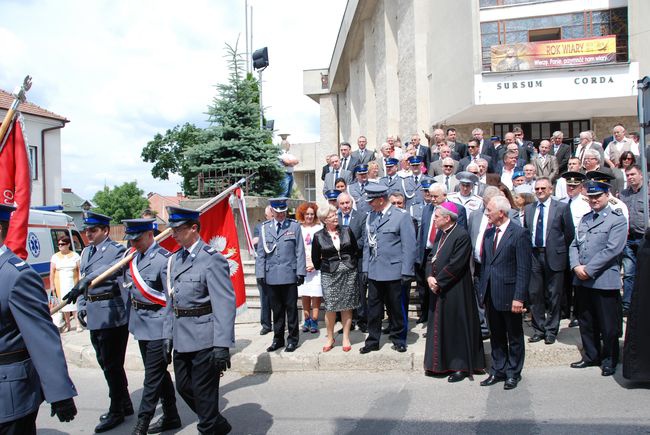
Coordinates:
(280, 265)
(32, 363)
(145, 279)
(202, 321)
(103, 310)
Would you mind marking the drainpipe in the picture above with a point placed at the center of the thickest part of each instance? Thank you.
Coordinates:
(43, 156)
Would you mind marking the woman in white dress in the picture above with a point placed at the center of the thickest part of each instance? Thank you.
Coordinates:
(64, 274)
(311, 291)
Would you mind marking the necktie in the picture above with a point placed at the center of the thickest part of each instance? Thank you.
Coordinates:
(279, 227)
(415, 177)
(390, 179)
(92, 251)
(362, 153)
(346, 220)
(345, 163)
(570, 199)
(447, 182)
(363, 187)
(539, 228)
(595, 216)
(496, 239)
(184, 255)
(336, 174)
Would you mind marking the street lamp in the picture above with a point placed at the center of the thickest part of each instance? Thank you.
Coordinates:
(260, 62)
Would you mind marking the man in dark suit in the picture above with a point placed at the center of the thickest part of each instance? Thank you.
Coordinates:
(363, 155)
(484, 145)
(550, 225)
(526, 148)
(349, 217)
(505, 276)
(560, 150)
(421, 150)
(348, 163)
(455, 146)
(473, 155)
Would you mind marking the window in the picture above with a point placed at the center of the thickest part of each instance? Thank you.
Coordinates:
(309, 186)
(538, 131)
(33, 162)
(77, 241)
(545, 34)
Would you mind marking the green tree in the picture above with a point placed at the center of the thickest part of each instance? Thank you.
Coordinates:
(233, 143)
(121, 202)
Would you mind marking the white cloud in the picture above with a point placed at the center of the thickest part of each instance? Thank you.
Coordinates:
(122, 71)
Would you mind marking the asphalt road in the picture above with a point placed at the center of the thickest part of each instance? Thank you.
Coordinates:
(549, 400)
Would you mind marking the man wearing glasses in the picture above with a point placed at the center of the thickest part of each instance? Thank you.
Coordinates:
(447, 177)
(473, 155)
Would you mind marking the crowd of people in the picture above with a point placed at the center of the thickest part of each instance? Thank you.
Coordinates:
(492, 233)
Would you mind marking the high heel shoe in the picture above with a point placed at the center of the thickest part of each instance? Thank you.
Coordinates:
(347, 348)
(328, 347)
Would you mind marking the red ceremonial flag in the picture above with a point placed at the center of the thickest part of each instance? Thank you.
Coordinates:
(219, 231)
(16, 187)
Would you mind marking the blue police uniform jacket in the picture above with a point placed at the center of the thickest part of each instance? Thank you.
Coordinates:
(109, 313)
(597, 245)
(147, 324)
(26, 324)
(280, 255)
(202, 278)
(389, 246)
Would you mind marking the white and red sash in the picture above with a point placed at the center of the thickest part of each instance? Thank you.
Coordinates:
(151, 294)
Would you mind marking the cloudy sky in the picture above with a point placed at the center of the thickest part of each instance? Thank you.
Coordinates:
(121, 71)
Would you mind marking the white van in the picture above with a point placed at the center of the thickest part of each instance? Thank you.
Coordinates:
(45, 227)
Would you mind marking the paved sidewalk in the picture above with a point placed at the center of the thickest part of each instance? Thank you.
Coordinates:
(250, 355)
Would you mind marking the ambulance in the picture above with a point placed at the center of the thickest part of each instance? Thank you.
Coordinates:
(45, 227)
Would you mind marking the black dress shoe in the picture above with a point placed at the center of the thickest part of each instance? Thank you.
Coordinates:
(549, 340)
(223, 428)
(399, 347)
(291, 347)
(127, 409)
(275, 346)
(368, 349)
(573, 323)
(535, 338)
(111, 421)
(511, 383)
(141, 426)
(456, 377)
(491, 380)
(582, 364)
(165, 423)
(608, 371)
(265, 331)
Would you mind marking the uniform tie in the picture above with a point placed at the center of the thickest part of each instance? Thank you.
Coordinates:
(415, 177)
(595, 216)
(539, 228)
(279, 227)
(184, 255)
(93, 249)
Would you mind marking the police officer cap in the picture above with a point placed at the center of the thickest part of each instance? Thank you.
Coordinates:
(179, 216)
(5, 212)
(495, 138)
(361, 169)
(426, 183)
(599, 176)
(331, 195)
(415, 160)
(596, 187)
(279, 204)
(518, 174)
(467, 177)
(92, 219)
(574, 178)
(376, 190)
(391, 161)
(134, 228)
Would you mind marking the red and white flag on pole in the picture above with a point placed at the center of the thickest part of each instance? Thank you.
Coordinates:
(219, 231)
(16, 186)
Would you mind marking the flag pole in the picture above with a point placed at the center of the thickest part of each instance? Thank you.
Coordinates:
(159, 238)
(20, 96)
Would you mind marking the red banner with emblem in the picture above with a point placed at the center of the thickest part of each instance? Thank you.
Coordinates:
(16, 187)
(219, 231)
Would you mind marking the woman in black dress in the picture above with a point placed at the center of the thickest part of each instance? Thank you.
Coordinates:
(334, 253)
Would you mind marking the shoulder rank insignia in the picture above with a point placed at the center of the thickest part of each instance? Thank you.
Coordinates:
(209, 249)
(18, 263)
(165, 253)
(617, 211)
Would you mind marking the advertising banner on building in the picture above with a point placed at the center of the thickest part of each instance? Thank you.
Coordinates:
(553, 54)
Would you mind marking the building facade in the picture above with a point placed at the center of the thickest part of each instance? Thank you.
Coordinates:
(400, 67)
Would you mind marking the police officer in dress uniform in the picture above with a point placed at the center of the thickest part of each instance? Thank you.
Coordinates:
(32, 364)
(614, 202)
(358, 189)
(145, 279)
(594, 252)
(389, 262)
(104, 310)
(411, 186)
(391, 179)
(203, 320)
(280, 264)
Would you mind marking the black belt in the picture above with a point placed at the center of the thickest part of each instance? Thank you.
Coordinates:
(144, 306)
(100, 297)
(193, 312)
(13, 357)
(634, 236)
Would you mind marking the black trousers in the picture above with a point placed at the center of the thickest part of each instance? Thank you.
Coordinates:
(423, 290)
(157, 381)
(506, 340)
(569, 301)
(485, 329)
(390, 293)
(284, 303)
(545, 296)
(599, 318)
(265, 306)
(361, 313)
(197, 381)
(23, 426)
(110, 348)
